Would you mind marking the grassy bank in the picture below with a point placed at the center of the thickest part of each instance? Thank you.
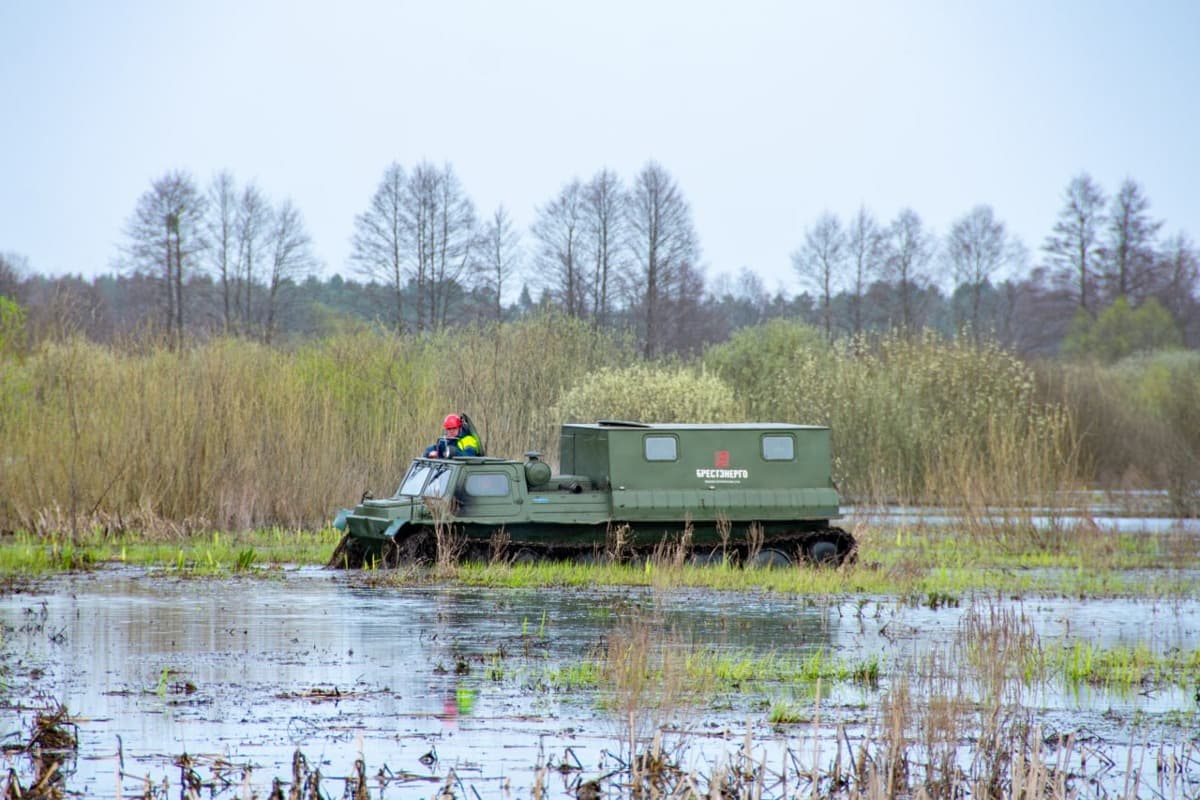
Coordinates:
(920, 567)
(28, 555)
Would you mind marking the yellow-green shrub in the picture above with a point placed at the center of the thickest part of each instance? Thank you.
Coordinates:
(650, 393)
(913, 418)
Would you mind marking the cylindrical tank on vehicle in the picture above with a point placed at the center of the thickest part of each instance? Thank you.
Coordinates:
(537, 472)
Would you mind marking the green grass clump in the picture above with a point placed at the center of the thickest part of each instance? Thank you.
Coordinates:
(26, 555)
(731, 671)
(787, 713)
(1125, 668)
(579, 675)
(710, 672)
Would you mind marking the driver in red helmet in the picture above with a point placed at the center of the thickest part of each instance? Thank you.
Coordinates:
(453, 442)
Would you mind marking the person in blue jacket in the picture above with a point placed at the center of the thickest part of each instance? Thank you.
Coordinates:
(454, 441)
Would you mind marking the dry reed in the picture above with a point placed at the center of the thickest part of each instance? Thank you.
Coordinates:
(229, 434)
(233, 435)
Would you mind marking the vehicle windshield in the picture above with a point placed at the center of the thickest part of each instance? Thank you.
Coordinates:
(425, 479)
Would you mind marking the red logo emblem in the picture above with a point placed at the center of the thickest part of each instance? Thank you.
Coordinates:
(721, 459)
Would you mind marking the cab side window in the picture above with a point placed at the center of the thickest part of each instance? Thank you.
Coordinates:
(487, 484)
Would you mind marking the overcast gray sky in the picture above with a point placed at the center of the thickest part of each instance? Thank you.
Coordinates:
(766, 113)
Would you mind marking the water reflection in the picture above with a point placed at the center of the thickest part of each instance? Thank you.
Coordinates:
(159, 665)
(419, 679)
(1135, 515)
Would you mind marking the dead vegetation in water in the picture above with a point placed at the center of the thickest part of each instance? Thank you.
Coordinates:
(498, 545)
(53, 741)
(925, 741)
(905, 754)
(618, 544)
(1001, 646)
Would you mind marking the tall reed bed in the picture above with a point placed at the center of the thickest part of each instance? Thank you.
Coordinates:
(231, 434)
(1138, 422)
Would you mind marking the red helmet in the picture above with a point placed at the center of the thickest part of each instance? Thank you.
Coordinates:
(452, 421)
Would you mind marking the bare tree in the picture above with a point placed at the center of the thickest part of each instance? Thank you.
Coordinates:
(1180, 290)
(222, 237)
(604, 201)
(1073, 249)
(909, 251)
(559, 230)
(12, 267)
(1129, 263)
(864, 249)
(457, 234)
(977, 248)
(255, 218)
(735, 301)
(166, 237)
(291, 259)
(440, 222)
(685, 327)
(499, 257)
(819, 262)
(381, 242)
(664, 248)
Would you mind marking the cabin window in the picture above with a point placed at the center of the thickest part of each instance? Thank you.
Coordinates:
(661, 448)
(487, 484)
(439, 483)
(778, 448)
(425, 480)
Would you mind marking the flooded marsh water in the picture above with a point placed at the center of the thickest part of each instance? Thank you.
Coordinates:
(433, 685)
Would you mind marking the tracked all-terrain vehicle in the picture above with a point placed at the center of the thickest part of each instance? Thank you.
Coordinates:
(759, 493)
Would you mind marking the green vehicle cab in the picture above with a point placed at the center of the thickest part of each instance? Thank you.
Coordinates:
(755, 493)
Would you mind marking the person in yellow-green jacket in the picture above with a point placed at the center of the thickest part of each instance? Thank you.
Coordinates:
(454, 441)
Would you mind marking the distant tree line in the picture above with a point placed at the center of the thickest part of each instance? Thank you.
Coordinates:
(227, 259)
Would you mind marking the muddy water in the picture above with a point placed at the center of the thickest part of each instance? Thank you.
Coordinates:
(429, 682)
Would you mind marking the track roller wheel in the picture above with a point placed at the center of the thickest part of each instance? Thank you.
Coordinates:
(769, 558)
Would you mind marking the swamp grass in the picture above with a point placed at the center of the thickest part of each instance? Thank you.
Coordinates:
(1125, 668)
(996, 657)
(921, 566)
(720, 671)
(25, 554)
